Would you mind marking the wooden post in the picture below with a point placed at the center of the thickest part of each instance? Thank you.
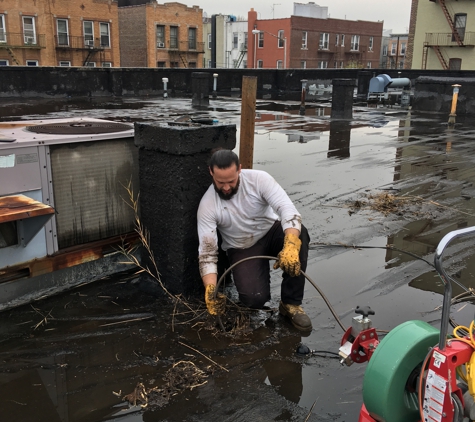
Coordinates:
(248, 117)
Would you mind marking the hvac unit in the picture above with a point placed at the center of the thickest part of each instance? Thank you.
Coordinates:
(90, 43)
(71, 175)
(30, 40)
(160, 44)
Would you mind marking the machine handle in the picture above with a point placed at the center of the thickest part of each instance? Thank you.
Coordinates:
(365, 311)
(444, 325)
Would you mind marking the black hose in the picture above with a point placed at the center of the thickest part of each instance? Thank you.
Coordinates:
(275, 258)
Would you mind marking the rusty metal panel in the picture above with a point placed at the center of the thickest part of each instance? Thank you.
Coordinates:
(89, 182)
(19, 207)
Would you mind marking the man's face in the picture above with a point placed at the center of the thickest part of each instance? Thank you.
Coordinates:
(226, 181)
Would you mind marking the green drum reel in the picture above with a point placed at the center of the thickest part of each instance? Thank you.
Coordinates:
(389, 392)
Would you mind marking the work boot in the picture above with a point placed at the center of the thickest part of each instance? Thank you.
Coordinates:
(297, 316)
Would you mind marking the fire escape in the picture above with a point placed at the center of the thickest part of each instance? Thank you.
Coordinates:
(456, 38)
(242, 53)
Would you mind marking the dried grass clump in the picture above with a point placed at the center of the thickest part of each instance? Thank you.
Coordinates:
(183, 375)
(387, 203)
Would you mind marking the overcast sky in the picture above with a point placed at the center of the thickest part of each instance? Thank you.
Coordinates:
(394, 13)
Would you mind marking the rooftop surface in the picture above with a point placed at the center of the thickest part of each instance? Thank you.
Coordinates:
(388, 177)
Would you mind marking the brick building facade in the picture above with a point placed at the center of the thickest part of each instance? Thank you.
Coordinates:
(161, 35)
(59, 33)
(307, 42)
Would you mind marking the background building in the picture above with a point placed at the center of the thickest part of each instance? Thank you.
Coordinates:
(309, 42)
(225, 38)
(59, 33)
(396, 52)
(160, 35)
(442, 35)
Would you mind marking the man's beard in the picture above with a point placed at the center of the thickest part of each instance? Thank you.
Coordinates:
(229, 195)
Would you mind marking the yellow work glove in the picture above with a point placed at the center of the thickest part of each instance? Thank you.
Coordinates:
(288, 258)
(216, 305)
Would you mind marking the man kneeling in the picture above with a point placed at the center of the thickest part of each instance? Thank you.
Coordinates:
(255, 217)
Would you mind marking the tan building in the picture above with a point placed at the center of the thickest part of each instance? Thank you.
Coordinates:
(59, 33)
(394, 52)
(442, 35)
(161, 35)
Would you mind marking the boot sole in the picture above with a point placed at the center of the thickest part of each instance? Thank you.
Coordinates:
(284, 313)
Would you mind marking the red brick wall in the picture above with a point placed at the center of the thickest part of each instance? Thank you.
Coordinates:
(138, 34)
(412, 31)
(45, 13)
(334, 27)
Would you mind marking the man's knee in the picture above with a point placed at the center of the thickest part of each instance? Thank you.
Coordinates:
(256, 301)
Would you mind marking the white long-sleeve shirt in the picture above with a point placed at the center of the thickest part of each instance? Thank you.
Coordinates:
(244, 219)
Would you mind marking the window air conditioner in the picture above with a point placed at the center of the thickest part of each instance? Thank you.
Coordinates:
(90, 43)
(160, 44)
(29, 40)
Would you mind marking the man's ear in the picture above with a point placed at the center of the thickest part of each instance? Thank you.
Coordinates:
(210, 171)
(240, 168)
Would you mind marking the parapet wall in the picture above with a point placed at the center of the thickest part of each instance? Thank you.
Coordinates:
(432, 88)
(51, 82)
(435, 94)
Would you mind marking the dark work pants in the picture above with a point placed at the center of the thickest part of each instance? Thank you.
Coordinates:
(252, 277)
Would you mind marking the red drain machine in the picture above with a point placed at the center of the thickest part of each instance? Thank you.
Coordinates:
(415, 373)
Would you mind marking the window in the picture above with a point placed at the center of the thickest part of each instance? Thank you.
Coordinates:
(64, 64)
(368, 65)
(173, 36)
(304, 39)
(160, 36)
(322, 65)
(393, 49)
(3, 34)
(105, 34)
(324, 39)
(29, 33)
(455, 64)
(174, 64)
(403, 49)
(342, 65)
(385, 50)
(192, 65)
(401, 64)
(192, 38)
(91, 64)
(337, 39)
(260, 43)
(3, 62)
(161, 64)
(210, 41)
(355, 42)
(88, 27)
(460, 22)
(210, 64)
(370, 43)
(279, 64)
(235, 63)
(244, 64)
(342, 40)
(32, 62)
(235, 40)
(260, 64)
(245, 40)
(335, 64)
(62, 27)
(303, 64)
(281, 41)
(106, 64)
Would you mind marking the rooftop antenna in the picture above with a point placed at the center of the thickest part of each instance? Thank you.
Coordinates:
(273, 8)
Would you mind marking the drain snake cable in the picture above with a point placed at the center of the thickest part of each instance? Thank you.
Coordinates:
(317, 245)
